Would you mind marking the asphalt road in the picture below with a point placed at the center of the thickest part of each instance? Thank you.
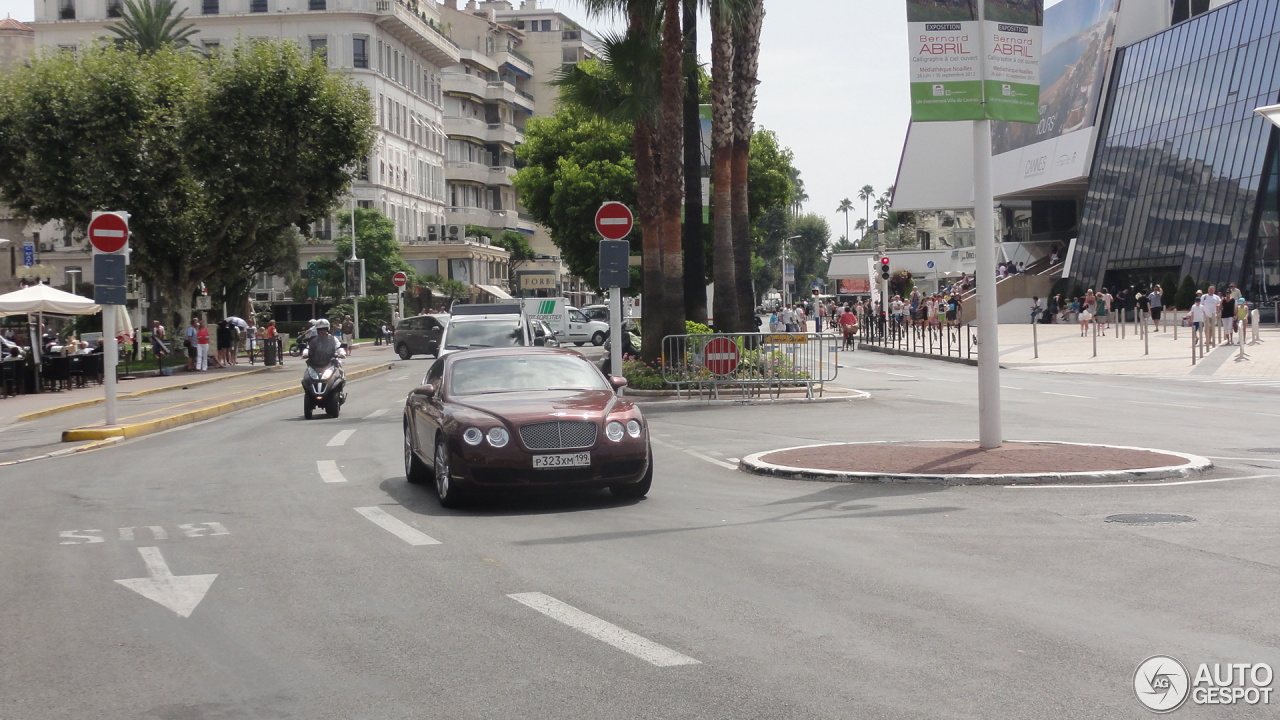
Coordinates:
(310, 581)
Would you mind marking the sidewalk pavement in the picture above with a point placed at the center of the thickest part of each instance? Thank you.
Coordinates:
(49, 424)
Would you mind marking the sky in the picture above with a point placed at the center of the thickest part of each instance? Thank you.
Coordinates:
(833, 86)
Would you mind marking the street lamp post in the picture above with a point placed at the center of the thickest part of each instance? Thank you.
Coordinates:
(786, 294)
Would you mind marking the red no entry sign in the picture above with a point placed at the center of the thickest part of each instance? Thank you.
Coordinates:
(399, 279)
(614, 220)
(720, 356)
(108, 232)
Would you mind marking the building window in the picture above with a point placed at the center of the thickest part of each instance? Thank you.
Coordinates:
(66, 10)
(320, 48)
(360, 52)
(209, 7)
(211, 47)
(257, 6)
(546, 26)
(316, 5)
(115, 8)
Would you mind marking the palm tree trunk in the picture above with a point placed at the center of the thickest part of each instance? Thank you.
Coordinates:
(695, 257)
(650, 237)
(746, 54)
(671, 168)
(724, 270)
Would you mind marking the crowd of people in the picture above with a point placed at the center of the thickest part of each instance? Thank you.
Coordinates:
(1102, 309)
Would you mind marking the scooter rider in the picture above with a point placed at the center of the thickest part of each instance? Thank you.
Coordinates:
(322, 348)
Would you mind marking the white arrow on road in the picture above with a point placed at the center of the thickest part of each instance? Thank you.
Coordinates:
(179, 593)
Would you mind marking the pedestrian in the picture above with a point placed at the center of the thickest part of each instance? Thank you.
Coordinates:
(349, 333)
(202, 346)
(1085, 315)
(1143, 303)
(158, 348)
(1156, 298)
(1242, 316)
(1211, 304)
(848, 326)
(1228, 318)
(1101, 309)
(1197, 315)
(190, 343)
(1036, 309)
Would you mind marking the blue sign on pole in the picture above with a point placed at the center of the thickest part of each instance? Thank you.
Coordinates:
(930, 263)
(28, 254)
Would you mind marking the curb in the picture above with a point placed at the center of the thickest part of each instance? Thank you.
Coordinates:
(165, 423)
(658, 406)
(1194, 465)
(139, 393)
(66, 451)
(928, 356)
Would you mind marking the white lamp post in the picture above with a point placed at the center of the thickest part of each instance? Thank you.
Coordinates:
(786, 295)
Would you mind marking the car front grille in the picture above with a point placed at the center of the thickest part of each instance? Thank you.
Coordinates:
(558, 435)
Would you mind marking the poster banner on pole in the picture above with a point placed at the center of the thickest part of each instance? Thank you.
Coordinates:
(1012, 41)
(946, 82)
(951, 78)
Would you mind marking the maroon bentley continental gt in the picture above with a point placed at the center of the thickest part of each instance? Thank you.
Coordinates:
(519, 417)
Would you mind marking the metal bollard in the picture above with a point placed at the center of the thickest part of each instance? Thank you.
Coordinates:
(1094, 323)
(1035, 341)
(1146, 339)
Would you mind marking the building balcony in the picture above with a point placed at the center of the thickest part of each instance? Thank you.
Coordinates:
(504, 133)
(411, 26)
(457, 82)
(516, 62)
(506, 92)
(478, 58)
(501, 175)
(467, 171)
(483, 217)
(470, 127)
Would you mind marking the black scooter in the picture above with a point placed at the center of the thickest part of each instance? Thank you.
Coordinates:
(325, 387)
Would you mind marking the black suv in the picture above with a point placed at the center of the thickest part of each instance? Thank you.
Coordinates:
(419, 335)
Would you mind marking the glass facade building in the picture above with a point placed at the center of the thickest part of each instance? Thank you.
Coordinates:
(1184, 179)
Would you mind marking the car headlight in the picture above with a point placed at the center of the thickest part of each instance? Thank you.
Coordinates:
(614, 431)
(498, 437)
(633, 428)
(472, 436)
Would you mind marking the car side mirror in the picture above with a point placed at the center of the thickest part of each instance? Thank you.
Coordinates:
(426, 391)
(617, 381)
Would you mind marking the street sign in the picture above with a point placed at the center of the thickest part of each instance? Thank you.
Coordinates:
(108, 232)
(614, 265)
(109, 269)
(614, 220)
(400, 279)
(720, 356)
(109, 294)
(203, 302)
(29, 254)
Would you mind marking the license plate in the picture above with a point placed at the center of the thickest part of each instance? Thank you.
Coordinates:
(582, 459)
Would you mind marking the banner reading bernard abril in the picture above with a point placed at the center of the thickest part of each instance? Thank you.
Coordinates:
(947, 44)
(1011, 74)
(945, 81)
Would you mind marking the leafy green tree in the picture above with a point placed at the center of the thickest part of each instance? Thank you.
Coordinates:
(574, 161)
(809, 251)
(376, 244)
(1186, 293)
(216, 160)
(149, 25)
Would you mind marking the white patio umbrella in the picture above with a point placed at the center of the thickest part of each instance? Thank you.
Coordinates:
(39, 299)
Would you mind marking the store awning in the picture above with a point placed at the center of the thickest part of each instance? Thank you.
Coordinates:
(495, 291)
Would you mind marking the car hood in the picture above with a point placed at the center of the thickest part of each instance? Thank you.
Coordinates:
(525, 407)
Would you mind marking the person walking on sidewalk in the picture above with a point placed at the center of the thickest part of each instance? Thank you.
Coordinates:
(190, 342)
(1156, 298)
(1228, 319)
(1210, 302)
(348, 334)
(202, 346)
(1102, 308)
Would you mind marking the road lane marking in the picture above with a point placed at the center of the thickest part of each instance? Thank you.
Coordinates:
(886, 372)
(1083, 397)
(396, 527)
(329, 471)
(700, 456)
(179, 593)
(606, 632)
(376, 413)
(1010, 387)
(1144, 485)
(1147, 402)
(341, 438)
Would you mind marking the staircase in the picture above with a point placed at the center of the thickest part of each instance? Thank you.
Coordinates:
(1014, 292)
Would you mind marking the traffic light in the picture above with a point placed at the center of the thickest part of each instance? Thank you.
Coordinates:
(884, 268)
(312, 276)
(815, 292)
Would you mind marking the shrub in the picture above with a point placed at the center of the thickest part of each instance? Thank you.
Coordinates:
(641, 376)
(1186, 293)
(694, 328)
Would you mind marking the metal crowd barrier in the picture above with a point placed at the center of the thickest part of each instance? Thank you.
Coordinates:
(944, 340)
(755, 363)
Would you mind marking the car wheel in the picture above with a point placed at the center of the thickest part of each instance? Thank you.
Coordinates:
(332, 406)
(403, 351)
(597, 339)
(636, 490)
(308, 406)
(414, 471)
(449, 494)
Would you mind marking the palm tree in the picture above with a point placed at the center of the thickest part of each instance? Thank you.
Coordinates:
(695, 264)
(150, 25)
(865, 194)
(671, 171)
(724, 268)
(746, 63)
(798, 195)
(845, 206)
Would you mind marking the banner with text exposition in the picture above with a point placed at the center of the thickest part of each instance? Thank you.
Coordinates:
(957, 62)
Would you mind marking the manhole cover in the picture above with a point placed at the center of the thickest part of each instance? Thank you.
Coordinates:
(1149, 518)
(1265, 450)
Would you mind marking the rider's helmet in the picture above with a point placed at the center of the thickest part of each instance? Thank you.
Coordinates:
(322, 324)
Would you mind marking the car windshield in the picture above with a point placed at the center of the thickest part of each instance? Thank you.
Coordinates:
(484, 333)
(520, 373)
